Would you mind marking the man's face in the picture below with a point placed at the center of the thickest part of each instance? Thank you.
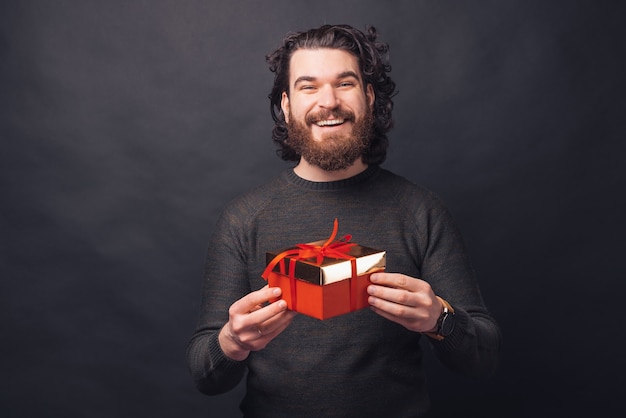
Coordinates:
(328, 110)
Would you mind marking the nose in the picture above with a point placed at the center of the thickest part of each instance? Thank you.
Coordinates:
(328, 98)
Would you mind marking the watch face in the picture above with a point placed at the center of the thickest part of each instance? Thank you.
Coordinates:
(447, 324)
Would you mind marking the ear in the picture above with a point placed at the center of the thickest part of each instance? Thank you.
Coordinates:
(371, 96)
(284, 105)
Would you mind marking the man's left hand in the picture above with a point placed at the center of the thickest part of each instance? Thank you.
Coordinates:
(406, 300)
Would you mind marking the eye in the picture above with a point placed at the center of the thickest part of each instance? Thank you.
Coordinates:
(346, 84)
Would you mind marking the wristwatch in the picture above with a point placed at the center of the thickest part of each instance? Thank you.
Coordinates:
(445, 323)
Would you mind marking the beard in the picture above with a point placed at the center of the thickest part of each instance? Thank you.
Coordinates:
(334, 151)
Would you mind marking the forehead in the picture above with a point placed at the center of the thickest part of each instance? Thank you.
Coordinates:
(321, 63)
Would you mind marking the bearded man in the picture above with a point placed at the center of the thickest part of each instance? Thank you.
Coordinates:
(331, 103)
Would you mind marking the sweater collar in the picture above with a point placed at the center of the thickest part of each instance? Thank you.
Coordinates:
(362, 177)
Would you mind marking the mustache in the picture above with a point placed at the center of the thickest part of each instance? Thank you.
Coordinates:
(312, 118)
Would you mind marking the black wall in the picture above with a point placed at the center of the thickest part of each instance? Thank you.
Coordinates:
(126, 126)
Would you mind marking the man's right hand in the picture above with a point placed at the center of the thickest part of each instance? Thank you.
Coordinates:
(251, 325)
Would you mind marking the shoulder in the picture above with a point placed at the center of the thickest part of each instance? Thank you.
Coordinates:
(248, 204)
(408, 192)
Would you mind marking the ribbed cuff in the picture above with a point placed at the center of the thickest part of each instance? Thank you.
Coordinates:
(217, 356)
(455, 340)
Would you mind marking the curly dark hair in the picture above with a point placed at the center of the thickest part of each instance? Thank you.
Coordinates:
(373, 63)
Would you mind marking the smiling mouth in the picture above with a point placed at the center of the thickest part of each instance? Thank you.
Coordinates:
(331, 122)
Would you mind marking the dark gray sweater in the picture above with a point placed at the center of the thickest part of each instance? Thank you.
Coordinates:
(354, 365)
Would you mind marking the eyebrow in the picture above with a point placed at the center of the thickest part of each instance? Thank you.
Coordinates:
(340, 76)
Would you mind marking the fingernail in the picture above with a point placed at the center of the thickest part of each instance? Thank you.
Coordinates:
(374, 277)
(282, 304)
(276, 291)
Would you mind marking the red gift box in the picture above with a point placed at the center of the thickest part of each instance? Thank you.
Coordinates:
(324, 279)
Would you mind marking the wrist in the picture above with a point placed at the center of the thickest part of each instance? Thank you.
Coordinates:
(229, 346)
(445, 322)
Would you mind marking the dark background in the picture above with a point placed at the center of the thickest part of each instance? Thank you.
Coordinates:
(127, 125)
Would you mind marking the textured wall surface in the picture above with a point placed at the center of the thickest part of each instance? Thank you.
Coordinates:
(125, 126)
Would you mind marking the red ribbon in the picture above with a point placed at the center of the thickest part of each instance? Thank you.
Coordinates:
(336, 249)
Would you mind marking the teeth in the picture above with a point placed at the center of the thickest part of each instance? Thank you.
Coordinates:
(331, 122)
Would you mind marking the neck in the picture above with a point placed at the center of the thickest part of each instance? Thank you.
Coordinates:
(314, 173)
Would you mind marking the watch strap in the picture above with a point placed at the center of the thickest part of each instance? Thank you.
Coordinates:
(446, 309)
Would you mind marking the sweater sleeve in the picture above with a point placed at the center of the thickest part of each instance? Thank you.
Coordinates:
(473, 347)
(225, 281)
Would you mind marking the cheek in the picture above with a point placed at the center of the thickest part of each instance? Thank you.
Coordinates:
(298, 111)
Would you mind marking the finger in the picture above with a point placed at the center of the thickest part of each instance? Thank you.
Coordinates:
(395, 295)
(395, 309)
(411, 318)
(387, 315)
(254, 300)
(252, 331)
(263, 334)
(396, 280)
(264, 314)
